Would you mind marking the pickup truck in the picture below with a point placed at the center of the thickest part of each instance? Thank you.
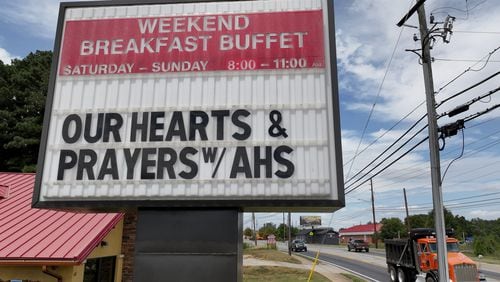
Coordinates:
(298, 245)
(358, 245)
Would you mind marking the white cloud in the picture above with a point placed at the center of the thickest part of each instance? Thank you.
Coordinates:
(485, 214)
(39, 18)
(6, 57)
(366, 38)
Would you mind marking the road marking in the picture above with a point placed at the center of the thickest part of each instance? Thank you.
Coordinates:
(346, 269)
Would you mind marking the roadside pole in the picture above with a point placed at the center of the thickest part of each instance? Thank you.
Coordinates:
(407, 213)
(254, 232)
(373, 213)
(289, 233)
(437, 196)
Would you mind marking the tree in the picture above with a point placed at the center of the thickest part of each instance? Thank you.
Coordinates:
(284, 228)
(485, 245)
(281, 231)
(419, 221)
(23, 89)
(248, 232)
(449, 219)
(267, 229)
(392, 228)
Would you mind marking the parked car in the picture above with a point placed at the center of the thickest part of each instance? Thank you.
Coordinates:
(298, 246)
(358, 245)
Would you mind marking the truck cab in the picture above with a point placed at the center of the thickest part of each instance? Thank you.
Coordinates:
(457, 262)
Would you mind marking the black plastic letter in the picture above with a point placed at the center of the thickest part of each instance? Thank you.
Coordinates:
(247, 130)
(67, 160)
(78, 128)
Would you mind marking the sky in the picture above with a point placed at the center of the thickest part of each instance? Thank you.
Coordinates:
(381, 91)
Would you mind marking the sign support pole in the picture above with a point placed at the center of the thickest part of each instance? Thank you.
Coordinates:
(189, 245)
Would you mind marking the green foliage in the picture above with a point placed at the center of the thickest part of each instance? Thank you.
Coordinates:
(282, 232)
(267, 229)
(271, 246)
(268, 254)
(486, 233)
(279, 274)
(392, 228)
(419, 221)
(486, 245)
(23, 89)
(247, 246)
(248, 232)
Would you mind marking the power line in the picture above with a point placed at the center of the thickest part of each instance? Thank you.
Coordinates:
(451, 205)
(456, 180)
(466, 11)
(465, 106)
(394, 161)
(376, 98)
(387, 131)
(467, 155)
(470, 68)
(476, 31)
(476, 115)
(461, 60)
(388, 148)
(483, 122)
(468, 88)
(348, 188)
(386, 158)
(465, 172)
(444, 101)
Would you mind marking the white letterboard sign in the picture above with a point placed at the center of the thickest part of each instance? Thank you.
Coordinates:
(193, 104)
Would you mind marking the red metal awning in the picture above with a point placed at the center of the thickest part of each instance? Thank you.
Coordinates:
(45, 237)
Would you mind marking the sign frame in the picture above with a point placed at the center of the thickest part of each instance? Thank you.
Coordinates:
(301, 205)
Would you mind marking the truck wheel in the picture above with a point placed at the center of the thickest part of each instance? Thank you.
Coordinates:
(430, 279)
(392, 274)
(367, 250)
(401, 275)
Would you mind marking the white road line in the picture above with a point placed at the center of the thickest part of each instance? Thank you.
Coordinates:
(347, 269)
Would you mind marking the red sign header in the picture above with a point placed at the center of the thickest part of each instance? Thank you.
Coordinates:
(229, 42)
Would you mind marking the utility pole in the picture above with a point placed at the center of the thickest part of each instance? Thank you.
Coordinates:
(254, 233)
(437, 194)
(373, 213)
(284, 227)
(407, 213)
(289, 233)
(437, 197)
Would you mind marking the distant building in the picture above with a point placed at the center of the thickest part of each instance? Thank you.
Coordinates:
(325, 236)
(364, 232)
(45, 245)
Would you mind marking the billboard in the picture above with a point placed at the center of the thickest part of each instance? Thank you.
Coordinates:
(310, 220)
(193, 104)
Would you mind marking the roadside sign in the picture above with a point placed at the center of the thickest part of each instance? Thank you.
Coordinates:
(193, 104)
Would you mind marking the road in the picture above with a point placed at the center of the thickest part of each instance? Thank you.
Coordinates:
(371, 266)
(365, 270)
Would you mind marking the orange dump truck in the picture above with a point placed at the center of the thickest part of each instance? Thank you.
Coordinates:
(415, 258)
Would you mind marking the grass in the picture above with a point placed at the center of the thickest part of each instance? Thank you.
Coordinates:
(279, 274)
(487, 259)
(269, 254)
(353, 278)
